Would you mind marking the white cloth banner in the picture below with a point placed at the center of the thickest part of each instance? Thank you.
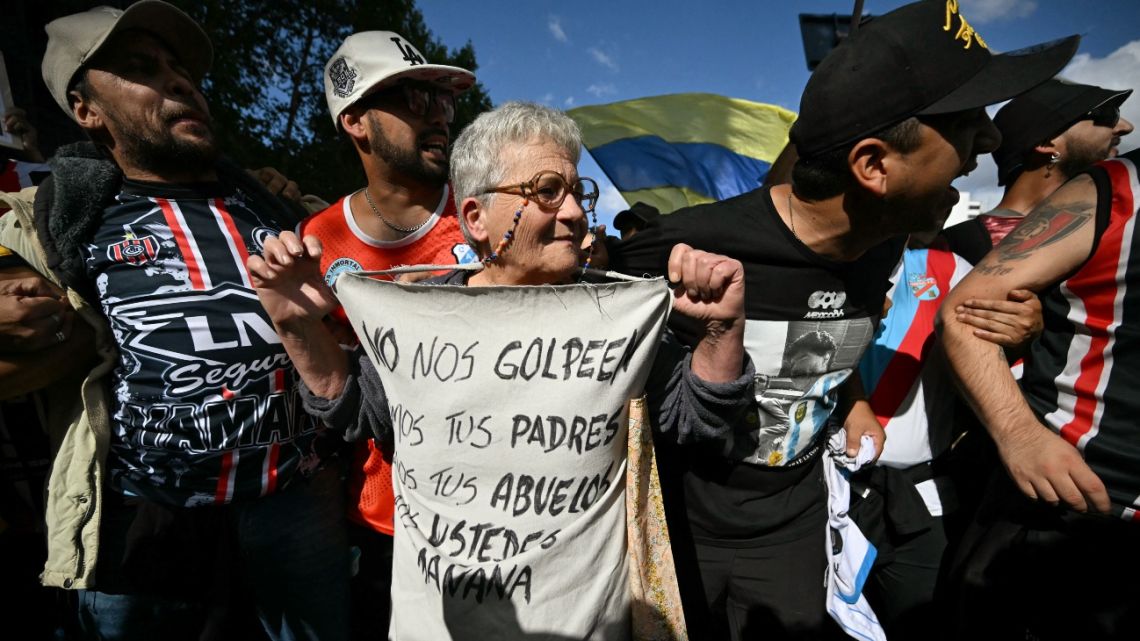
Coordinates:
(508, 409)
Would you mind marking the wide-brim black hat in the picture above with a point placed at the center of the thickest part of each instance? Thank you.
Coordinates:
(921, 59)
(1042, 113)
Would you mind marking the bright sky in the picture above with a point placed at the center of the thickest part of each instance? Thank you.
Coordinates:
(593, 52)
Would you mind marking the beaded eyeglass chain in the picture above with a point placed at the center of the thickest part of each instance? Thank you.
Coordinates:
(508, 237)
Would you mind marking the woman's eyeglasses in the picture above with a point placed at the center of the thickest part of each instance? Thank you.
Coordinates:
(549, 189)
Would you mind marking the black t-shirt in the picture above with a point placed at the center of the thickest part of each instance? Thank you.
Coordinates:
(205, 406)
(809, 320)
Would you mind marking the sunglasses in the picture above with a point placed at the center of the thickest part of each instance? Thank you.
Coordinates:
(549, 189)
(420, 99)
(1104, 116)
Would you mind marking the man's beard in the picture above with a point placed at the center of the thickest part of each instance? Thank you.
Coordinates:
(162, 152)
(407, 161)
(1081, 156)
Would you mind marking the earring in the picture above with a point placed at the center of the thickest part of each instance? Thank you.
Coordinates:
(507, 237)
(593, 241)
(1054, 157)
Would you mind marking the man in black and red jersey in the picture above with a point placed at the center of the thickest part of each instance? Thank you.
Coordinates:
(186, 468)
(1064, 517)
(396, 109)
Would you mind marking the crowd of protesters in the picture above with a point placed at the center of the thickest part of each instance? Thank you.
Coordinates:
(195, 444)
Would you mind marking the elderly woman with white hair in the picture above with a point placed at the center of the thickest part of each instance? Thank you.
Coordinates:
(523, 207)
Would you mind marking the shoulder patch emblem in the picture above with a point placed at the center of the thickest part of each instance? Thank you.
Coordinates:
(339, 266)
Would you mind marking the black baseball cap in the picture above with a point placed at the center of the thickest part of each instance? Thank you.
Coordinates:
(920, 59)
(1040, 114)
(629, 217)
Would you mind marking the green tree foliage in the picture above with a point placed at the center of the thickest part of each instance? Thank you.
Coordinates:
(266, 91)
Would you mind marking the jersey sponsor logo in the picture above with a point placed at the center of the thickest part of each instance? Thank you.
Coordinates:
(262, 234)
(464, 254)
(827, 300)
(133, 250)
(832, 313)
(924, 287)
(826, 304)
(340, 266)
(204, 352)
(342, 76)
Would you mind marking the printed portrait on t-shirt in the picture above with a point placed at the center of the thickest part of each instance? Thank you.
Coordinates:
(799, 367)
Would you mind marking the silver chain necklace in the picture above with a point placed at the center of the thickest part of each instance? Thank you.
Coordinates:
(390, 224)
(792, 217)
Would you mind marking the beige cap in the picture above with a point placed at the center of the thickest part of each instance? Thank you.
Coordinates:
(74, 40)
(371, 60)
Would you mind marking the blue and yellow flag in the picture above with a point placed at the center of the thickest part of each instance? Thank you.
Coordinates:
(684, 149)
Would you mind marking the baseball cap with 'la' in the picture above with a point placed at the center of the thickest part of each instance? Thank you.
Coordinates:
(372, 60)
(921, 59)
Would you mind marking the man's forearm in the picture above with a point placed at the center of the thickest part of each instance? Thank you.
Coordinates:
(719, 356)
(317, 356)
(1043, 465)
(982, 373)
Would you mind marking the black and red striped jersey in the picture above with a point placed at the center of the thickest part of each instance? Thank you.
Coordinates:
(1079, 377)
(205, 409)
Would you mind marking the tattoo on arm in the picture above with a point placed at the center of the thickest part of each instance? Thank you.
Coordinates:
(990, 269)
(1047, 225)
